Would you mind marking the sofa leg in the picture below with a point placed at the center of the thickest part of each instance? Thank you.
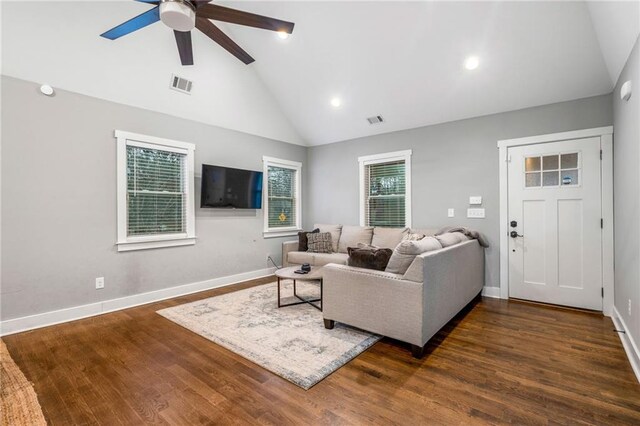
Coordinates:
(417, 351)
(329, 324)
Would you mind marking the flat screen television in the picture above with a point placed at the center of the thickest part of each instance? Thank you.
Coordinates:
(224, 187)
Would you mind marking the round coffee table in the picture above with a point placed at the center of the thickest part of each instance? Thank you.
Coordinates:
(288, 274)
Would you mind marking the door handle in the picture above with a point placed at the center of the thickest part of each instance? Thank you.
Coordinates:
(514, 234)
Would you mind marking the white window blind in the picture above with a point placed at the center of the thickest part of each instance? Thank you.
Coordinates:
(282, 200)
(156, 192)
(384, 185)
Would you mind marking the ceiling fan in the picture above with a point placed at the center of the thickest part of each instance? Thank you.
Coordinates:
(183, 15)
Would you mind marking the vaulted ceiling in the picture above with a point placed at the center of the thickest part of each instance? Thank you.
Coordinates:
(401, 60)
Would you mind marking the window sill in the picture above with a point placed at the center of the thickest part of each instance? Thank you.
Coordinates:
(144, 245)
(278, 234)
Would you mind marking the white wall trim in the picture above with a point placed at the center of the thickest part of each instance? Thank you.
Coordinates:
(606, 144)
(630, 346)
(491, 292)
(45, 319)
(557, 137)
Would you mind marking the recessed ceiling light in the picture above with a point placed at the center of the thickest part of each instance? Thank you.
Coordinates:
(472, 62)
(336, 102)
(283, 35)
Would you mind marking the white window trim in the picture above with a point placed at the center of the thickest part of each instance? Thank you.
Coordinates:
(127, 243)
(287, 164)
(386, 158)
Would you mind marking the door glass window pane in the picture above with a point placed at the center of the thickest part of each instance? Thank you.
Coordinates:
(569, 161)
(550, 179)
(532, 180)
(532, 164)
(550, 162)
(570, 177)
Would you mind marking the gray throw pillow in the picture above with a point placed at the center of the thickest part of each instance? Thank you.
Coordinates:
(319, 242)
(405, 252)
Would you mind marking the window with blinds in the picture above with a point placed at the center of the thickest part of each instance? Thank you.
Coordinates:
(282, 198)
(385, 193)
(155, 180)
(282, 210)
(156, 194)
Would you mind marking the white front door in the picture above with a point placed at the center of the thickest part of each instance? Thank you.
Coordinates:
(555, 244)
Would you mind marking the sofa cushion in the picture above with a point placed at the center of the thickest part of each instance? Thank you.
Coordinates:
(388, 237)
(451, 238)
(317, 259)
(352, 235)
(302, 239)
(319, 242)
(405, 252)
(369, 258)
(335, 231)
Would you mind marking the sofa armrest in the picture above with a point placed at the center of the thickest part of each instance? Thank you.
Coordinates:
(453, 276)
(376, 301)
(287, 247)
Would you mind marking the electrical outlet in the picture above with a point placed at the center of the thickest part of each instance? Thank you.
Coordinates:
(451, 213)
(99, 283)
(629, 308)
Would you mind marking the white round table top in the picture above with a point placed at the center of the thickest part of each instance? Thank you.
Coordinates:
(288, 273)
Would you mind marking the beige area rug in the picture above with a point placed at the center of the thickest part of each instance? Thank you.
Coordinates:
(18, 401)
(289, 341)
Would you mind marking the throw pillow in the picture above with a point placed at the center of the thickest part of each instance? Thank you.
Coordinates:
(405, 252)
(319, 242)
(302, 239)
(413, 237)
(451, 238)
(335, 231)
(370, 258)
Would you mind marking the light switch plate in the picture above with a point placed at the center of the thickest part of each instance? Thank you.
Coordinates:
(451, 213)
(475, 200)
(475, 213)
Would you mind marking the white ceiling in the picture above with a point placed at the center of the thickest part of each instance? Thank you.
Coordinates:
(399, 59)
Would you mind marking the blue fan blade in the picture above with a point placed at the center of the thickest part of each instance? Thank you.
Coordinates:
(134, 24)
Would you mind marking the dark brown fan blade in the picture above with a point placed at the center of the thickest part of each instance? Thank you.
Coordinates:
(183, 39)
(225, 14)
(216, 34)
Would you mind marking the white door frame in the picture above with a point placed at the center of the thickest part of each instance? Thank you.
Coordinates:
(606, 143)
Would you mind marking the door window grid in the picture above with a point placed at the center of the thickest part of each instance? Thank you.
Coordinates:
(552, 170)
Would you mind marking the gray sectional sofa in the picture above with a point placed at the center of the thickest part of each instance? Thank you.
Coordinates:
(410, 306)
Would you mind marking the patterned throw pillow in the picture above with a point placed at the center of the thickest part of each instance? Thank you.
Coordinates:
(302, 239)
(412, 237)
(319, 243)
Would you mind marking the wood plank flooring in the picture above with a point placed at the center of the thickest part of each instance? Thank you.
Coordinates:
(498, 362)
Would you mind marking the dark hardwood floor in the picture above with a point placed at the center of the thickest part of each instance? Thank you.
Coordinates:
(498, 362)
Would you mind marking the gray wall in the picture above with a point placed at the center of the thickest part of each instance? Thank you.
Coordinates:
(450, 162)
(59, 203)
(626, 157)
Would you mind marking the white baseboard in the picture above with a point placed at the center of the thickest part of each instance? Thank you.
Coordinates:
(630, 346)
(491, 292)
(45, 319)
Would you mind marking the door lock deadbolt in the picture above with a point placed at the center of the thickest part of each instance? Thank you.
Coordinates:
(513, 223)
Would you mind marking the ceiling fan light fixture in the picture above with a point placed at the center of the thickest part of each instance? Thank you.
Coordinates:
(179, 15)
(283, 35)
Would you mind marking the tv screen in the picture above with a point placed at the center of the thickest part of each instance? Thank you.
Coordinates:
(224, 187)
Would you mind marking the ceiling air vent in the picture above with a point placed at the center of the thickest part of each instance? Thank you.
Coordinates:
(181, 84)
(376, 119)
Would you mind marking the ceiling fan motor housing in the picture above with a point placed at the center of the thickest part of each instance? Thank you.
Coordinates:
(179, 15)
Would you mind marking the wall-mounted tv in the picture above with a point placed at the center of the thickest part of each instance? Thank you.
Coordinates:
(224, 187)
